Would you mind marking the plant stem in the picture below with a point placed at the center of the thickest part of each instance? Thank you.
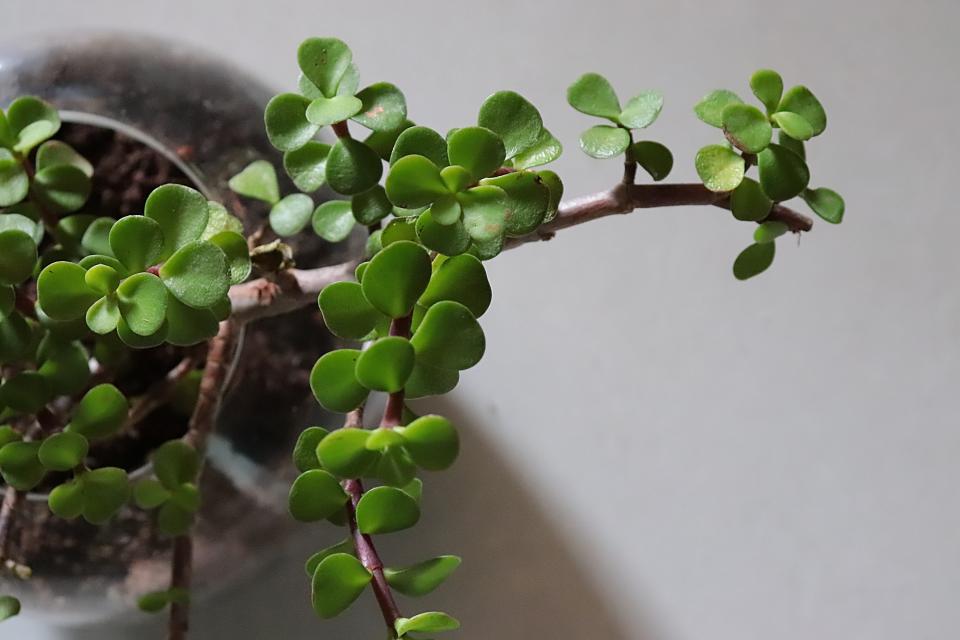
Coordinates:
(11, 497)
(202, 424)
(367, 553)
(263, 298)
(158, 394)
(393, 412)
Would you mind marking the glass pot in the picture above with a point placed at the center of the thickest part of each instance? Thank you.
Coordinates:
(205, 117)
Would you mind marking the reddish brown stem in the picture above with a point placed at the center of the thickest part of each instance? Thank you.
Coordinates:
(367, 553)
(11, 497)
(393, 412)
(341, 129)
(181, 575)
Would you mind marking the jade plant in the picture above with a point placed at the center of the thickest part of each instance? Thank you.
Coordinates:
(79, 293)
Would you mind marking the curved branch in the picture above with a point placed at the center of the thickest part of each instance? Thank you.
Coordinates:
(295, 288)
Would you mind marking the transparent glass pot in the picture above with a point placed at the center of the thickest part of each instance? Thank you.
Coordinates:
(205, 116)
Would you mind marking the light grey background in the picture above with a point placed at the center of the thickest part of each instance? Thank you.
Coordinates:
(654, 450)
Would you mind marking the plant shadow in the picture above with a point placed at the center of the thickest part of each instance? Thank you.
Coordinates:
(521, 578)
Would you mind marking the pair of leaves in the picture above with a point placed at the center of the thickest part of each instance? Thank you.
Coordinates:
(593, 95)
(27, 122)
(527, 143)
(96, 495)
(176, 466)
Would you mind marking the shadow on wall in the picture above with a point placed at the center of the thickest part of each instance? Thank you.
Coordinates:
(520, 580)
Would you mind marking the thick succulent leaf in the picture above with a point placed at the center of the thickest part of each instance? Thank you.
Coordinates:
(305, 451)
(315, 495)
(514, 119)
(63, 451)
(767, 85)
(432, 441)
(62, 291)
(334, 382)
(285, 119)
(326, 111)
(711, 108)
(801, 101)
(447, 239)
(54, 152)
(783, 174)
(383, 107)
(544, 150)
(352, 167)
(197, 274)
(338, 580)
(31, 121)
(333, 220)
(307, 165)
(137, 241)
(592, 94)
(386, 510)
(527, 199)
(826, 203)
(324, 62)
(291, 215)
(655, 158)
(484, 212)
(794, 125)
(477, 149)
(422, 578)
(396, 278)
(142, 301)
(100, 413)
(754, 260)
(449, 337)
(461, 279)
(746, 127)
(748, 202)
(604, 141)
(430, 622)
(345, 453)
(182, 213)
(258, 180)
(414, 181)
(346, 311)
(720, 168)
(386, 364)
(642, 110)
(18, 256)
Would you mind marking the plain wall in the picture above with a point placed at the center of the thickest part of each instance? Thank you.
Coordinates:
(653, 449)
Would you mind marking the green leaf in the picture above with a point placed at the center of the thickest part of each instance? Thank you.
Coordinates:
(305, 451)
(754, 260)
(62, 188)
(414, 181)
(446, 210)
(555, 187)
(783, 174)
(153, 602)
(291, 215)
(63, 451)
(258, 180)
(396, 278)
(386, 510)
(398, 230)
(593, 95)
(54, 152)
(344, 453)
(17, 338)
(430, 622)
(371, 206)
(352, 167)
(604, 141)
(100, 413)
(182, 213)
(422, 578)
(234, 247)
(430, 381)
(334, 382)
(315, 495)
(338, 580)
(769, 231)
(826, 203)
(478, 150)
(174, 520)
(395, 467)
(14, 183)
(18, 256)
(62, 291)
(655, 158)
(333, 220)
(142, 300)
(185, 325)
(420, 141)
(96, 239)
(449, 337)
(314, 561)
(544, 150)
(642, 110)
(135, 341)
(105, 490)
(8, 434)
(793, 125)
(65, 365)
(285, 119)
(383, 107)
(150, 493)
(767, 85)
(66, 500)
(187, 497)
(383, 438)
(31, 122)
(526, 201)
(324, 61)
(720, 168)
(327, 111)
(432, 442)
(513, 118)
(386, 364)
(748, 202)
(9, 607)
(801, 101)
(747, 127)
(711, 108)
(307, 165)
(792, 144)
(175, 462)
(484, 212)
(8, 300)
(137, 241)
(349, 81)
(347, 312)
(383, 141)
(448, 239)
(197, 275)
(19, 465)
(460, 279)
